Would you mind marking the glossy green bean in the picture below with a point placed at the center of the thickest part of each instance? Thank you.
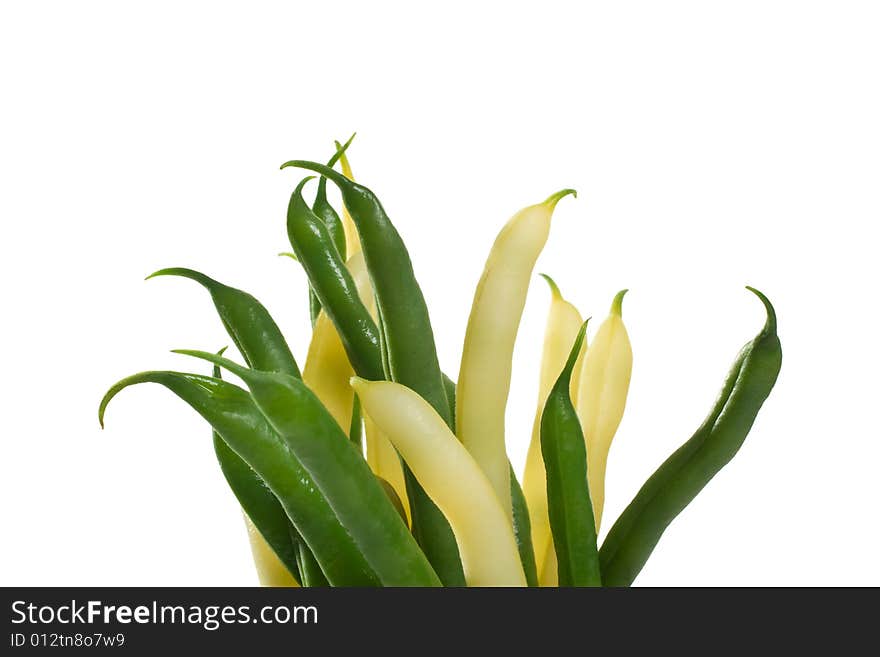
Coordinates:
(259, 503)
(568, 495)
(234, 416)
(364, 343)
(324, 211)
(249, 324)
(332, 282)
(339, 471)
(522, 530)
(684, 474)
(409, 338)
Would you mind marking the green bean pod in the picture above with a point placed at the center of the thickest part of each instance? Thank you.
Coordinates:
(684, 474)
(412, 354)
(568, 495)
(234, 416)
(364, 344)
(339, 471)
(324, 211)
(334, 286)
(309, 568)
(260, 505)
(249, 324)
(522, 530)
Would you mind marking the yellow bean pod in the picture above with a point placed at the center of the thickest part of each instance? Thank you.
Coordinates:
(486, 362)
(385, 463)
(481, 525)
(563, 323)
(270, 570)
(548, 575)
(602, 395)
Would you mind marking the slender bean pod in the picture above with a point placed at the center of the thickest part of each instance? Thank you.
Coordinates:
(338, 471)
(522, 530)
(234, 416)
(327, 369)
(267, 522)
(412, 355)
(352, 241)
(324, 211)
(684, 474)
(407, 342)
(274, 542)
(482, 528)
(487, 355)
(568, 496)
(385, 463)
(601, 397)
(521, 522)
(334, 285)
(563, 323)
(270, 570)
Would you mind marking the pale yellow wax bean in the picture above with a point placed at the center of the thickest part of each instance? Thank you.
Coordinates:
(327, 369)
(451, 478)
(270, 570)
(548, 575)
(601, 397)
(384, 462)
(563, 323)
(486, 362)
(352, 241)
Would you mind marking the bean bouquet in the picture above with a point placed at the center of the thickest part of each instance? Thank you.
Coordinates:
(371, 467)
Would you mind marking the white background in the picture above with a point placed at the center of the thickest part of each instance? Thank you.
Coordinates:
(714, 145)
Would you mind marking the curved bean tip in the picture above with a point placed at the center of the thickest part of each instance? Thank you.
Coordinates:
(102, 408)
(341, 148)
(225, 363)
(554, 288)
(323, 169)
(343, 159)
(617, 304)
(183, 272)
(553, 199)
(289, 254)
(770, 324)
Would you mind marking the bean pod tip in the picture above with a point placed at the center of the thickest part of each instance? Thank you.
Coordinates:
(770, 324)
(554, 288)
(553, 199)
(617, 304)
